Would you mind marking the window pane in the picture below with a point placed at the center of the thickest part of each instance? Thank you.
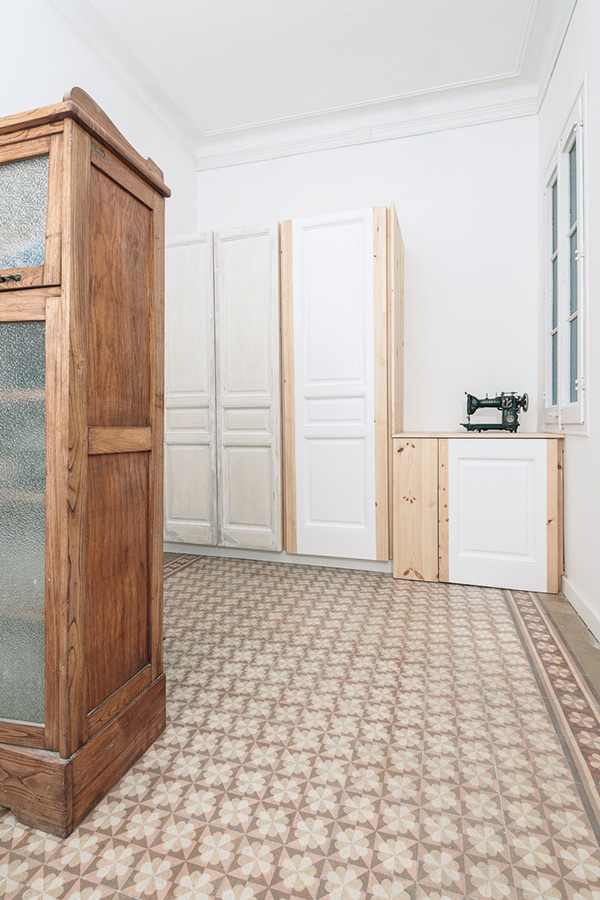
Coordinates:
(573, 273)
(573, 361)
(554, 369)
(22, 527)
(573, 184)
(23, 202)
(554, 216)
(554, 292)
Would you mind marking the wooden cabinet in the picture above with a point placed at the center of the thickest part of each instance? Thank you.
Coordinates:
(223, 425)
(82, 690)
(479, 509)
(341, 278)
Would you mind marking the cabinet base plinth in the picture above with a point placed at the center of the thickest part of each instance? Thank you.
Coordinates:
(56, 794)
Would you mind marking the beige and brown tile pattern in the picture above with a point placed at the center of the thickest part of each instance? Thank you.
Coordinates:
(338, 734)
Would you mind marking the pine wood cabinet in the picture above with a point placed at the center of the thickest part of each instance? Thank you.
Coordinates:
(481, 509)
(342, 315)
(82, 689)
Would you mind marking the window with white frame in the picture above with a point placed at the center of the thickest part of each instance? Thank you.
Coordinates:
(565, 278)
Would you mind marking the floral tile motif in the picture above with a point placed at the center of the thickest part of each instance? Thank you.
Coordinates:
(340, 734)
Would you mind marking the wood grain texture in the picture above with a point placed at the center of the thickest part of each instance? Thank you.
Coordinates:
(36, 785)
(119, 440)
(80, 107)
(54, 794)
(26, 306)
(443, 513)
(22, 733)
(95, 120)
(99, 617)
(380, 363)
(416, 509)
(288, 403)
(119, 308)
(35, 118)
(111, 752)
(26, 150)
(39, 131)
(33, 276)
(113, 705)
(396, 354)
(56, 519)
(554, 515)
(52, 251)
(157, 420)
(75, 273)
(124, 177)
(117, 602)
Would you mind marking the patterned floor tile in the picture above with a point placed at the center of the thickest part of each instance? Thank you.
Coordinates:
(334, 733)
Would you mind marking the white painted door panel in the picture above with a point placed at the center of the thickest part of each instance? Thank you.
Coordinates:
(248, 395)
(497, 513)
(333, 315)
(190, 445)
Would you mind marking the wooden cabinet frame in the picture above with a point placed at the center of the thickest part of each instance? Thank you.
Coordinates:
(102, 708)
(49, 272)
(421, 508)
(388, 341)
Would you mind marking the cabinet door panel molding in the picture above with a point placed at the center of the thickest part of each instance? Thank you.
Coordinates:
(248, 388)
(190, 420)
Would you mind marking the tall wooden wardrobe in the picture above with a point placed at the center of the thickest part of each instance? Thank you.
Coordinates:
(342, 314)
(223, 422)
(253, 435)
(82, 690)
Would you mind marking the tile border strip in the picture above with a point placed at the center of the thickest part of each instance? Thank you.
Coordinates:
(574, 706)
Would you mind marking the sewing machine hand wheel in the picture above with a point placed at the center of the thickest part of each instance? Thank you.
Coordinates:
(525, 402)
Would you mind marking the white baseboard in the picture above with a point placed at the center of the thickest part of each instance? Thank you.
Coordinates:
(582, 606)
(366, 565)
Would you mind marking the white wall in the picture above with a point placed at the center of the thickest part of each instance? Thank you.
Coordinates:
(467, 205)
(42, 57)
(579, 60)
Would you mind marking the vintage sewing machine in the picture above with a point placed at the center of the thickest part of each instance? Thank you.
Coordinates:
(509, 404)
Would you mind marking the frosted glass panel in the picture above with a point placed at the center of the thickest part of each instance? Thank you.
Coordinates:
(23, 202)
(22, 508)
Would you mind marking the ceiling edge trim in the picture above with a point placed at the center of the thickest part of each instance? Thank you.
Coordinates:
(557, 50)
(128, 71)
(370, 134)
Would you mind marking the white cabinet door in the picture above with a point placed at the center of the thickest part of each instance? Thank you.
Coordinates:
(190, 445)
(497, 499)
(334, 408)
(248, 395)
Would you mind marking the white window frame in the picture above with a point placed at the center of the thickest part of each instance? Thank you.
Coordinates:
(559, 409)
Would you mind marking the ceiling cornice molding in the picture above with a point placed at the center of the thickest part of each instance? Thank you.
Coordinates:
(362, 134)
(556, 51)
(117, 57)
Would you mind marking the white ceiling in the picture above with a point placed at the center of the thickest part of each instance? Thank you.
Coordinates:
(226, 66)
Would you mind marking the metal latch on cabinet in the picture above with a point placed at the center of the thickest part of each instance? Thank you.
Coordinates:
(4, 278)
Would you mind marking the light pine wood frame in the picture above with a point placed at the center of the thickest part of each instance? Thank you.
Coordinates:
(395, 349)
(555, 514)
(416, 509)
(380, 359)
(51, 775)
(286, 292)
